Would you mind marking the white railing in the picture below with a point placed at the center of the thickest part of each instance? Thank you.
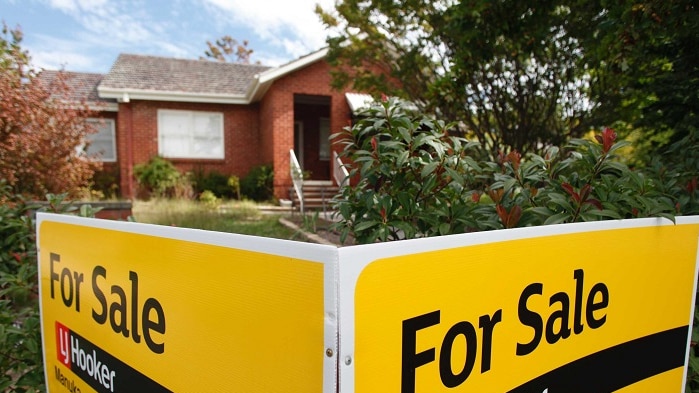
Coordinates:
(339, 171)
(296, 177)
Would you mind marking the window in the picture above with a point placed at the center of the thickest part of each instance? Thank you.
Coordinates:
(102, 144)
(324, 144)
(190, 134)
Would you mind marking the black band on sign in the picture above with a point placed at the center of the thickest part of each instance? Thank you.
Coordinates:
(616, 367)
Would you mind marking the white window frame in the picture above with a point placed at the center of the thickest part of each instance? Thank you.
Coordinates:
(104, 156)
(215, 137)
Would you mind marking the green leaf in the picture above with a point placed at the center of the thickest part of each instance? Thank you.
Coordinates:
(429, 168)
(444, 229)
(364, 225)
(455, 176)
(405, 134)
(604, 213)
(557, 218)
(618, 146)
(615, 165)
(509, 184)
(669, 216)
(541, 210)
(402, 158)
(404, 199)
(561, 201)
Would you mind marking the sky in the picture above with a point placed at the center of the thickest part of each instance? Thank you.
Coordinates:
(88, 35)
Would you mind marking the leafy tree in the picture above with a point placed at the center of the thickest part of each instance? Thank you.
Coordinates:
(649, 49)
(526, 75)
(227, 48)
(39, 133)
(506, 72)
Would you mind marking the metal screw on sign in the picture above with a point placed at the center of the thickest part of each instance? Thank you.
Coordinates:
(348, 360)
(329, 352)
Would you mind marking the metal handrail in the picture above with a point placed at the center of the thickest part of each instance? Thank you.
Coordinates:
(340, 173)
(296, 177)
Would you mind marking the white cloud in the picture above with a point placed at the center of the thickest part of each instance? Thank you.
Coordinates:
(124, 26)
(64, 5)
(289, 25)
(114, 23)
(85, 35)
(55, 54)
(59, 59)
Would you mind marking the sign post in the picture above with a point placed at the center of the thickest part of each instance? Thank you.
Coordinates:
(590, 307)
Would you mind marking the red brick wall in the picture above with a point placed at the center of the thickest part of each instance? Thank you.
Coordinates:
(254, 134)
(241, 138)
(278, 109)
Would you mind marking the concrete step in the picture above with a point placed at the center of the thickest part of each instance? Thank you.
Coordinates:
(316, 195)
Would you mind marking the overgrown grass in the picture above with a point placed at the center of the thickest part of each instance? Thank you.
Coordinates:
(232, 217)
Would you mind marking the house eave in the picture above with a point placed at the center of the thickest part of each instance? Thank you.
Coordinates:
(104, 107)
(276, 73)
(264, 80)
(90, 105)
(125, 95)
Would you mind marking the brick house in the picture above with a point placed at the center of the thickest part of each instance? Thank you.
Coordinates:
(215, 116)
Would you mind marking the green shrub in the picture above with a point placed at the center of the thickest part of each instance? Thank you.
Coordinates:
(209, 199)
(21, 361)
(20, 336)
(213, 181)
(417, 180)
(258, 184)
(160, 178)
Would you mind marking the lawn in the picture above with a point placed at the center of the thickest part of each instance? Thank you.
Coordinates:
(233, 217)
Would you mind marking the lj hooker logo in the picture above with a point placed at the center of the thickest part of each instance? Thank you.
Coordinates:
(97, 368)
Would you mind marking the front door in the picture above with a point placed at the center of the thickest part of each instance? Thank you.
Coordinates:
(311, 135)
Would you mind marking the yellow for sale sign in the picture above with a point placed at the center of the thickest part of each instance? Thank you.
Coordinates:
(584, 308)
(592, 307)
(135, 308)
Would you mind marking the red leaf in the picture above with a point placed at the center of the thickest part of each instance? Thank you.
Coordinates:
(476, 197)
(570, 190)
(502, 213)
(514, 158)
(594, 202)
(511, 218)
(496, 195)
(606, 138)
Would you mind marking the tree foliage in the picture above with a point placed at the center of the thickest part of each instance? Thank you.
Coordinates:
(227, 48)
(506, 72)
(39, 131)
(527, 75)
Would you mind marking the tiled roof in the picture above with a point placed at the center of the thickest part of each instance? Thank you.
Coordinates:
(151, 73)
(82, 85)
